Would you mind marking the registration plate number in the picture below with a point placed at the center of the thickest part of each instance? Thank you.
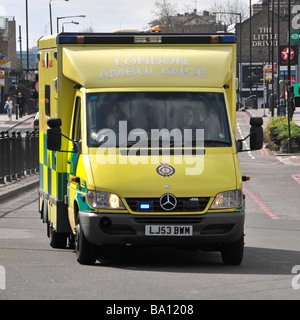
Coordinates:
(157, 230)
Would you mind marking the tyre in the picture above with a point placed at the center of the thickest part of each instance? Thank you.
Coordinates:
(86, 252)
(232, 253)
(57, 240)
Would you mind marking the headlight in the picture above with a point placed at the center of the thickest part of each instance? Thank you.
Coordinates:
(228, 199)
(104, 200)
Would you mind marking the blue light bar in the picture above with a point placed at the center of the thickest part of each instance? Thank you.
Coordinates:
(228, 39)
(66, 39)
(144, 206)
(130, 38)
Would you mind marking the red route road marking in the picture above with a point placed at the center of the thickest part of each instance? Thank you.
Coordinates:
(296, 177)
(264, 151)
(261, 204)
(246, 117)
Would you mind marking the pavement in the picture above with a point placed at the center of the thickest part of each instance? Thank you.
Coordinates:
(285, 158)
(5, 124)
(17, 187)
(266, 114)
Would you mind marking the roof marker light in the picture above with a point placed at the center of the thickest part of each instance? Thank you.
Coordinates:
(215, 39)
(80, 39)
(147, 39)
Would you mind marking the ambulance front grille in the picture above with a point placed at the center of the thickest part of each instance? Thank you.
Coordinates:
(183, 204)
(188, 220)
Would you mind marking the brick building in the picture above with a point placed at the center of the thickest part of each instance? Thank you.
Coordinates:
(7, 49)
(284, 5)
(264, 45)
(8, 39)
(263, 36)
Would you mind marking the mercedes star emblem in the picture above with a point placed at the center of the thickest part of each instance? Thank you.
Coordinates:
(168, 202)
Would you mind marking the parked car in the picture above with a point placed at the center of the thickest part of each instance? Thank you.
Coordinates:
(36, 122)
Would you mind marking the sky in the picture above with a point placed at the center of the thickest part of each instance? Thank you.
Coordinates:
(102, 16)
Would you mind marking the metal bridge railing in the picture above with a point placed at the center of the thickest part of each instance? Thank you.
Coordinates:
(19, 156)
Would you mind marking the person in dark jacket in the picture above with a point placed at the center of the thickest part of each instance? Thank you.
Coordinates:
(20, 103)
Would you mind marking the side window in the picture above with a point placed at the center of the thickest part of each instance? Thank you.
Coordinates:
(47, 100)
(76, 133)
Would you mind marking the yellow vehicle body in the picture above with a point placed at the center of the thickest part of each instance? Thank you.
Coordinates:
(77, 73)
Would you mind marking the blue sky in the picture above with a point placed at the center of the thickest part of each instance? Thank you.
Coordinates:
(101, 15)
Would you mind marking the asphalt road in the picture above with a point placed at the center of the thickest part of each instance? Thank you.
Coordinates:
(33, 270)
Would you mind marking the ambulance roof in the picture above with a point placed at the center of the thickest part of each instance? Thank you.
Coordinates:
(131, 59)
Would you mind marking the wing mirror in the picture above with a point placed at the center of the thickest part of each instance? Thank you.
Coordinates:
(256, 135)
(54, 134)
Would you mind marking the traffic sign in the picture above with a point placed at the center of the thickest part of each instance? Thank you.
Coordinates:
(268, 76)
(4, 60)
(2, 78)
(296, 87)
(36, 86)
(268, 67)
(295, 36)
(14, 81)
(268, 72)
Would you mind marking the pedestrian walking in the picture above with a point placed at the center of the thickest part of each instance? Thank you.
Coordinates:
(9, 109)
(20, 104)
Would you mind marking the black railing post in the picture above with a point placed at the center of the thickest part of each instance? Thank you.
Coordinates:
(22, 156)
(36, 151)
(19, 156)
(2, 168)
(7, 152)
(18, 160)
(27, 153)
(13, 156)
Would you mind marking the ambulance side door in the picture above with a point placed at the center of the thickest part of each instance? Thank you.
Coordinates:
(73, 158)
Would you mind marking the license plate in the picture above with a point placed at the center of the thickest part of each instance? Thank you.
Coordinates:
(156, 230)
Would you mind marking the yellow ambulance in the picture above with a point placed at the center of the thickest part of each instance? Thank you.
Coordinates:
(138, 142)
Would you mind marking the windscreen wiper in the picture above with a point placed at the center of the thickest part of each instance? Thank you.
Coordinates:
(217, 142)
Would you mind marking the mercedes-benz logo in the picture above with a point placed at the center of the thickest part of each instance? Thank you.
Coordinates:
(168, 202)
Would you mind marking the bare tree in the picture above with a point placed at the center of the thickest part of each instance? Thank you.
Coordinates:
(168, 18)
(89, 29)
(231, 6)
(165, 12)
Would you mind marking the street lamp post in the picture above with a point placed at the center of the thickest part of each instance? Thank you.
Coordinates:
(27, 40)
(289, 79)
(278, 53)
(50, 12)
(67, 17)
(250, 46)
(68, 22)
(273, 74)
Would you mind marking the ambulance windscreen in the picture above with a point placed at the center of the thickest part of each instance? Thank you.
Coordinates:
(147, 119)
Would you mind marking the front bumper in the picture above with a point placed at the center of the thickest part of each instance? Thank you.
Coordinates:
(116, 229)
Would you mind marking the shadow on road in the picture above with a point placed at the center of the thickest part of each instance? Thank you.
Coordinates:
(256, 261)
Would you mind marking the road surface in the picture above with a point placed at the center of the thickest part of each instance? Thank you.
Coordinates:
(33, 270)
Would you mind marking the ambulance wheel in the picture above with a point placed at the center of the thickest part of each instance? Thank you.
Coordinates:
(232, 253)
(57, 240)
(86, 252)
